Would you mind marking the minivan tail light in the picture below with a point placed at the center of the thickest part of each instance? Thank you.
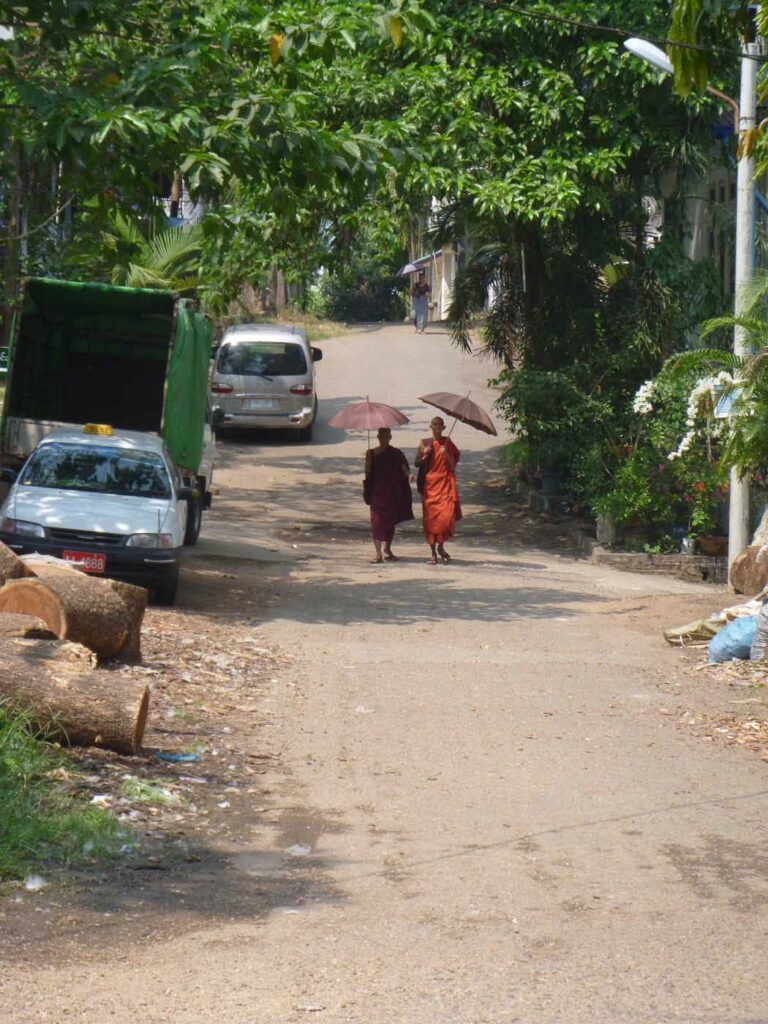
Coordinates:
(301, 389)
(221, 389)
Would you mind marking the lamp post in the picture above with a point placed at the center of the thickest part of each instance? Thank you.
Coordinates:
(745, 116)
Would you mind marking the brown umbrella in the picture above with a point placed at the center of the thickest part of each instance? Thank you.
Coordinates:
(368, 416)
(461, 408)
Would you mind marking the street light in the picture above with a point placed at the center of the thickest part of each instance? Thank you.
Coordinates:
(745, 116)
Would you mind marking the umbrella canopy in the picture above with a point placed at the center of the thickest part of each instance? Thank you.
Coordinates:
(367, 415)
(409, 268)
(460, 407)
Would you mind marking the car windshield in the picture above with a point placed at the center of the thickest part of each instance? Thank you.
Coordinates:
(79, 467)
(262, 359)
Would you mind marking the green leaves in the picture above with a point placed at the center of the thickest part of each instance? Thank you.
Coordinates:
(691, 66)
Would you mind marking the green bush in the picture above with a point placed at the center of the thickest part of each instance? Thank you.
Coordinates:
(658, 483)
(362, 292)
(39, 821)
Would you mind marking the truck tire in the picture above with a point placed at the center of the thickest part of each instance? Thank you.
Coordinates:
(194, 520)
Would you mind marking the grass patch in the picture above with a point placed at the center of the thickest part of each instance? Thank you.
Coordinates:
(316, 328)
(41, 822)
(148, 791)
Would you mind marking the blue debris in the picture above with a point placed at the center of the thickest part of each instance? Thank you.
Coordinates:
(178, 758)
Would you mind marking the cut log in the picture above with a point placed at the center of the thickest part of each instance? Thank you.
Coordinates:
(24, 625)
(11, 566)
(134, 599)
(70, 703)
(74, 608)
(35, 561)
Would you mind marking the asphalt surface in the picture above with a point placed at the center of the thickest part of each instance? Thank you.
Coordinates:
(484, 813)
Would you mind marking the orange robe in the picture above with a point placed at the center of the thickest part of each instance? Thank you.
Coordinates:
(440, 498)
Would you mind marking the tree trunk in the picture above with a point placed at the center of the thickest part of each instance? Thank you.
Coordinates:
(12, 230)
(24, 626)
(73, 607)
(135, 601)
(81, 708)
(11, 566)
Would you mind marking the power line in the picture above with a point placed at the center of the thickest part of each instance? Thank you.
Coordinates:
(620, 33)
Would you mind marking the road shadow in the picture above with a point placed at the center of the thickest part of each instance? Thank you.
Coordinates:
(444, 596)
(168, 888)
(327, 488)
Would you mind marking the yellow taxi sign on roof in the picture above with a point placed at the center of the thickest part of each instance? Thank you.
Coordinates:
(102, 429)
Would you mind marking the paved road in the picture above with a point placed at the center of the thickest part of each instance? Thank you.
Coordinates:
(488, 817)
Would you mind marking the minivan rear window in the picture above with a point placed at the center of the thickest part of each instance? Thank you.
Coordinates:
(262, 359)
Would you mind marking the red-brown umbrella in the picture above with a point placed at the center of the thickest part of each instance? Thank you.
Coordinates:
(368, 416)
(461, 408)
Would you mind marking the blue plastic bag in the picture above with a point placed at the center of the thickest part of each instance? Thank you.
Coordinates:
(733, 640)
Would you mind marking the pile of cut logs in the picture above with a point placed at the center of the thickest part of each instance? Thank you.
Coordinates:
(57, 627)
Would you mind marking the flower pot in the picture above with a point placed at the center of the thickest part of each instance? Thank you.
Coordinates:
(712, 545)
(606, 530)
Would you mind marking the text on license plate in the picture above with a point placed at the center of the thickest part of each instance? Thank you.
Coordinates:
(261, 404)
(86, 560)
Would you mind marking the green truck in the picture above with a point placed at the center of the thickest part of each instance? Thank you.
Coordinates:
(135, 358)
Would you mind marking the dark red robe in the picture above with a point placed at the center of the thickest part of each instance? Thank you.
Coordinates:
(391, 501)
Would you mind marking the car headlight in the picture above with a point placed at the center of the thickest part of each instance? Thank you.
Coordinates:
(22, 527)
(150, 540)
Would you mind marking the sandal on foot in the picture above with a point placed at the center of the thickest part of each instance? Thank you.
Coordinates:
(376, 561)
(391, 558)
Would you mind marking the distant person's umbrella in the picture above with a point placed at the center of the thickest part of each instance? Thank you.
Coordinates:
(409, 268)
(461, 408)
(368, 416)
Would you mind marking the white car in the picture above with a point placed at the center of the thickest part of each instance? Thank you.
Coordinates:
(111, 502)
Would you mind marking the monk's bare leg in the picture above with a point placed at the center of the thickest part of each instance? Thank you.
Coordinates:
(443, 553)
(433, 549)
(377, 545)
(388, 549)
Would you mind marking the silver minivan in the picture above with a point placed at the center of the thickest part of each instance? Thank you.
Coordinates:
(263, 376)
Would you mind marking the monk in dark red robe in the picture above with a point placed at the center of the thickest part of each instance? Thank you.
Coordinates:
(439, 496)
(388, 492)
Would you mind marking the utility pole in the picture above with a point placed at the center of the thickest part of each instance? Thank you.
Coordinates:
(738, 505)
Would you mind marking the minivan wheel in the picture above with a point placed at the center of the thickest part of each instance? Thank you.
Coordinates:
(305, 434)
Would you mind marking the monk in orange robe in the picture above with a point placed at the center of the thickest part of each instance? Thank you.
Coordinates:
(437, 458)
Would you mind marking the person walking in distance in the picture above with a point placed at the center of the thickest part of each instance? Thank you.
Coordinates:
(436, 459)
(420, 293)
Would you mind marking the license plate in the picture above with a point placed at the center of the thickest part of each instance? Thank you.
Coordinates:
(261, 404)
(87, 561)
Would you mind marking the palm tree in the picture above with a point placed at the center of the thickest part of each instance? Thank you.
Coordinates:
(155, 257)
(746, 446)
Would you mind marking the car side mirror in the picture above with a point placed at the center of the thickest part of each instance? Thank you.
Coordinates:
(217, 416)
(8, 476)
(186, 493)
(317, 354)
